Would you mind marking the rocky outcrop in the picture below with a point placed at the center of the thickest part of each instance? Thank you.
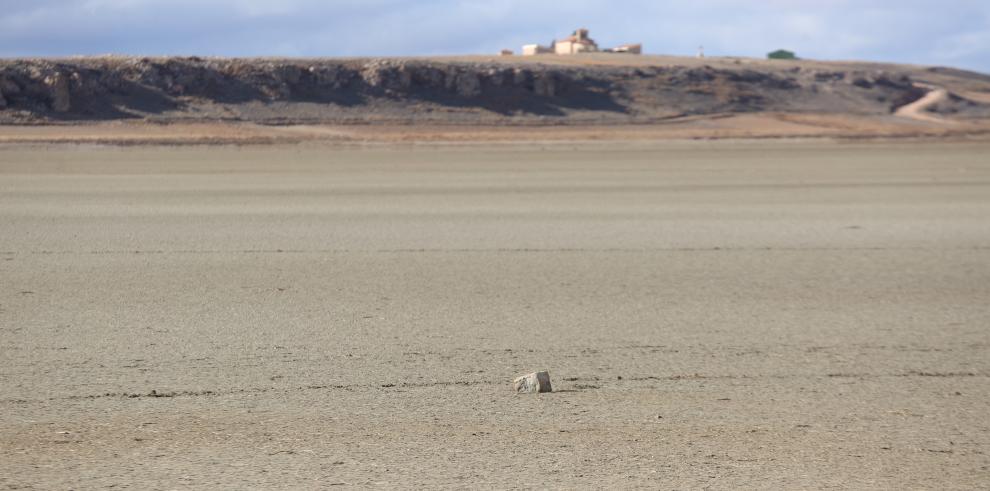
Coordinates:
(7, 89)
(413, 90)
(386, 76)
(467, 84)
(58, 92)
(544, 85)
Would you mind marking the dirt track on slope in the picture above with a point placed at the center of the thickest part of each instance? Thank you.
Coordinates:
(918, 109)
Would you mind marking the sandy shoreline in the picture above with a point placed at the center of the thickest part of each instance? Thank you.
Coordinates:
(722, 127)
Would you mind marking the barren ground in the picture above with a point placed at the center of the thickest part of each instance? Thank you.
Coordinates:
(785, 314)
(843, 127)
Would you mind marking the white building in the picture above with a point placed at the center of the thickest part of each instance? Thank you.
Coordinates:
(535, 49)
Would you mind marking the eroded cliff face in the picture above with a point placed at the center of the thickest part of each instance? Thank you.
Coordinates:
(286, 91)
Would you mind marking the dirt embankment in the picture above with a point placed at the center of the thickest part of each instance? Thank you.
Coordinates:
(488, 91)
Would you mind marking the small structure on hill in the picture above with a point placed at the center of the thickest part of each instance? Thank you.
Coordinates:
(506, 52)
(536, 49)
(632, 49)
(577, 43)
(781, 54)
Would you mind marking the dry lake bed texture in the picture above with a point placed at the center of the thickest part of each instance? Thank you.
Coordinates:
(731, 314)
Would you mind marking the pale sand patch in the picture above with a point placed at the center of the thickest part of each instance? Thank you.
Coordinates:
(982, 97)
(917, 109)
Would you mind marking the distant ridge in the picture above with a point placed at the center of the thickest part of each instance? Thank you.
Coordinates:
(596, 89)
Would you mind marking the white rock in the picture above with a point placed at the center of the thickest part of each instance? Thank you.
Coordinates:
(533, 383)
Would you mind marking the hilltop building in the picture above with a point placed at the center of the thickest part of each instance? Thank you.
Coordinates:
(578, 43)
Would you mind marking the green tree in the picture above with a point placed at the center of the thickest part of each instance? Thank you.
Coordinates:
(782, 54)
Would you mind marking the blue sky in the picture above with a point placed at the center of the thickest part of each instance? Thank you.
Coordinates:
(946, 32)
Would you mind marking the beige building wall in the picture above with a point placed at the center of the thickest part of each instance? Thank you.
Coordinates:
(564, 47)
(571, 48)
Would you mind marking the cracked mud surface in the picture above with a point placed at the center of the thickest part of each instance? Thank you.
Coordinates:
(723, 314)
